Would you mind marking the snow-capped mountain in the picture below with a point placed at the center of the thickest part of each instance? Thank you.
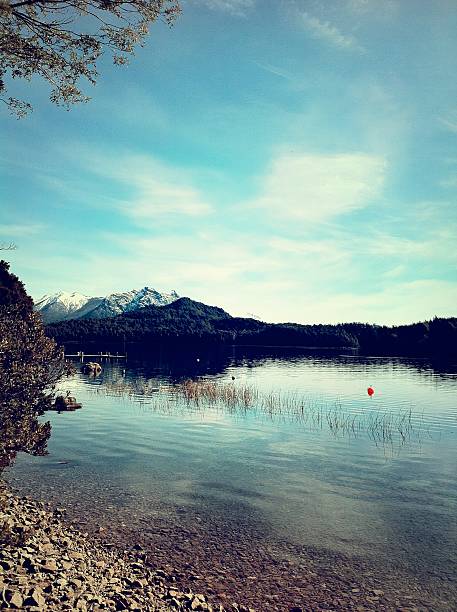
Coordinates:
(71, 301)
(62, 306)
(117, 303)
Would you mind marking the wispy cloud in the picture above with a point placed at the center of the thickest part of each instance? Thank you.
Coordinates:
(326, 31)
(316, 188)
(450, 182)
(156, 198)
(450, 122)
(330, 255)
(237, 8)
(397, 303)
(205, 266)
(150, 189)
(20, 230)
(272, 69)
(362, 7)
(278, 278)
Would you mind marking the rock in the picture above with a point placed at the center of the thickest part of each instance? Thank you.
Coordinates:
(200, 596)
(137, 566)
(121, 602)
(75, 555)
(91, 367)
(50, 566)
(161, 574)
(48, 549)
(196, 604)
(16, 600)
(6, 565)
(28, 564)
(36, 598)
(83, 574)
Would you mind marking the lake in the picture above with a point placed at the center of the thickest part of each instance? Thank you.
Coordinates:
(240, 497)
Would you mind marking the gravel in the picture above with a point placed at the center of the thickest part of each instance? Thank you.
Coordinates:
(46, 564)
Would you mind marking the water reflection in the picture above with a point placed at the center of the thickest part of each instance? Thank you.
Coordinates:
(387, 427)
(186, 362)
(285, 475)
(311, 390)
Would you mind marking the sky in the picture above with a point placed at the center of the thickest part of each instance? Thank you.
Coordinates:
(293, 160)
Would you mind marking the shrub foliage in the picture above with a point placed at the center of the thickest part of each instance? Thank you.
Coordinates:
(30, 365)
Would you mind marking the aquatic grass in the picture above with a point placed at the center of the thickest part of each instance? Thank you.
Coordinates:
(381, 425)
(232, 396)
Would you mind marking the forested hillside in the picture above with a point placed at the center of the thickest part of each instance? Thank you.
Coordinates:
(188, 321)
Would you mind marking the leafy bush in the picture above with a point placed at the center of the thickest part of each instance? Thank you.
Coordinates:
(30, 365)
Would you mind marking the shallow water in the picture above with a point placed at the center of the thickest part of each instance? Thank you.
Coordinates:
(388, 497)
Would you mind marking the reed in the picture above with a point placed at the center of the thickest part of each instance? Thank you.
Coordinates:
(381, 425)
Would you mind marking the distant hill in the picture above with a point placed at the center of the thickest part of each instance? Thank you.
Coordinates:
(185, 320)
(63, 306)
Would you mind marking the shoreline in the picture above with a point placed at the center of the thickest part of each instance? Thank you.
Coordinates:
(123, 570)
(47, 564)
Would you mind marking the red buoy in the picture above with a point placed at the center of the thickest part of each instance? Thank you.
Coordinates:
(370, 391)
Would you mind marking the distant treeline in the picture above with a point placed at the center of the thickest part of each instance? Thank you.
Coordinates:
(186, 321)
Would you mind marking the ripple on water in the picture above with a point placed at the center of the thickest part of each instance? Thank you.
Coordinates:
(390, 497)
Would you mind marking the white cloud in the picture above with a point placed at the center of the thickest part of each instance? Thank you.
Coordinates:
(379, 7)
(329, 256)
(278, 279)
(324, 30)
(272, 69)
(395, 272)
(388, 246)
(156, 189)
(237, 8)
(157, 198)
(435, 248)
(239, 272)
(450, 122)
(318, 187)
(151, 189)
(20, 230)
(450, 182)
(396, 304)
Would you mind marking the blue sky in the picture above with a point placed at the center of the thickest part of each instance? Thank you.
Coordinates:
(295, 160)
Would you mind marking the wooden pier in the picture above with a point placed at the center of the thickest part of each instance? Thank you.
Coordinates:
(81, 355)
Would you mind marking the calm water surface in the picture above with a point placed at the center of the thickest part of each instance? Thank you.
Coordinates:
(392, 498)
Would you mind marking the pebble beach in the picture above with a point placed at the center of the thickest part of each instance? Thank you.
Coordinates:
(49, 564)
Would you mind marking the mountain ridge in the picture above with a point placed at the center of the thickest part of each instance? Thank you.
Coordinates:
(185, 321)
(64, 306)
